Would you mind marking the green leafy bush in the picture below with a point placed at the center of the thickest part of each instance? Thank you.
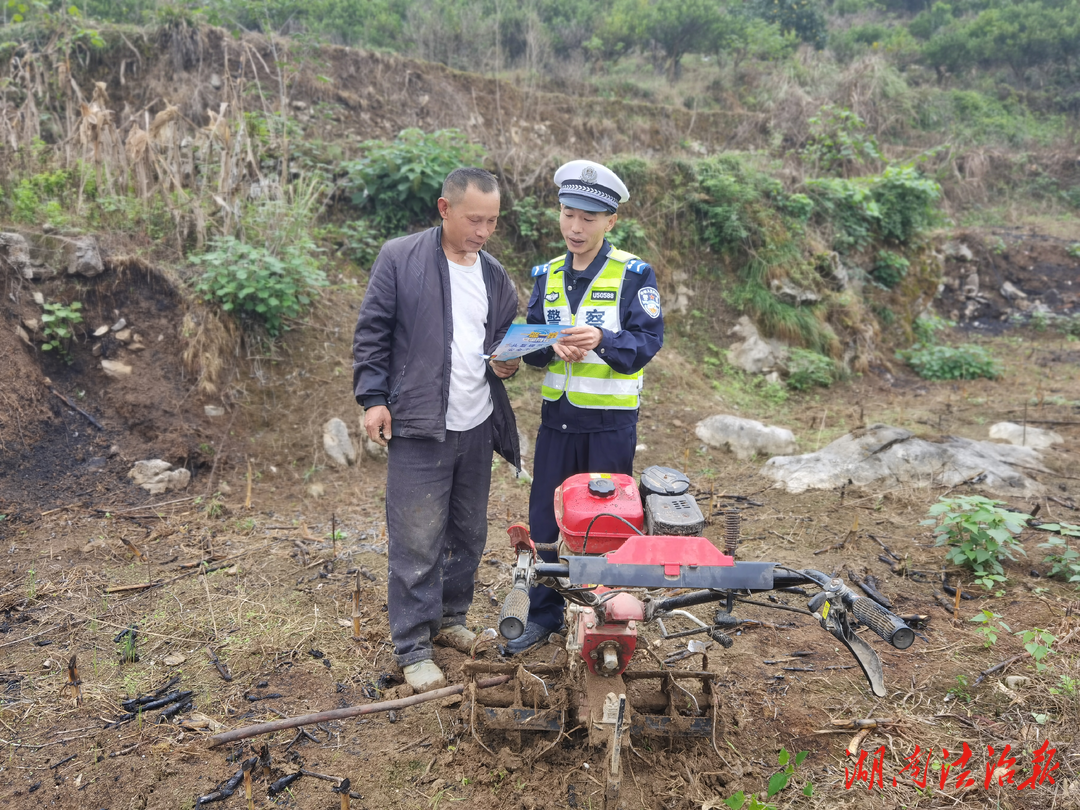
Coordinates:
(807, 369)
(252, 282)
(837, 143)
(889, 269)
(978, 533)
(358, 240)
(399, 181)
(895, 205)
(58, 325)
(951, 363)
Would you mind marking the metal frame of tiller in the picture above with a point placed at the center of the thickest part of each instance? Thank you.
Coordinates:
(602, 620)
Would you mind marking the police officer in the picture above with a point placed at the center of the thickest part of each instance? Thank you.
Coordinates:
(608, 303)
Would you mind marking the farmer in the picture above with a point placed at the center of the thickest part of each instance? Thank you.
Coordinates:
(436, 303)
(608, 302)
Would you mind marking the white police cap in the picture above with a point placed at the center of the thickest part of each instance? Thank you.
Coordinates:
(590, 186)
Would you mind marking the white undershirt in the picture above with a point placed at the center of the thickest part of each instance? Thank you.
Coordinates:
(470, 398)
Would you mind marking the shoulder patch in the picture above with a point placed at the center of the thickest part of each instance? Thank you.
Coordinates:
(540, 269)
(636, 266)
(649, 299)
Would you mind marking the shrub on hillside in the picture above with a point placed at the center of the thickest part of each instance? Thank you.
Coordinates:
(251, 281)
(895, 205)
(952, 363)
(807, 369)
(400, 180)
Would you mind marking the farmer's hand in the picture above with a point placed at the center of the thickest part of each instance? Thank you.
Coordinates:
(377, 424)
(505, 368)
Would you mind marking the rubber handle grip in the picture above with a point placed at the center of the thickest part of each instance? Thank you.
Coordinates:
(515, 613)
(885, 624)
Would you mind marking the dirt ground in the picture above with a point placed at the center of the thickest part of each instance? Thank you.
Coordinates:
(282, 536)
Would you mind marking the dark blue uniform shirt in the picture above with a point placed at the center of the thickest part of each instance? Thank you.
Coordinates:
(627, 351)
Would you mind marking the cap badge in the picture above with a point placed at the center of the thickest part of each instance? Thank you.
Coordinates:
(588, 174)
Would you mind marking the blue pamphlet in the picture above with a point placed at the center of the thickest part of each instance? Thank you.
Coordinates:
(524, 338)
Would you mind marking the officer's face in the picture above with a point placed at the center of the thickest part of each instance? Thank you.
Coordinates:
(468, 222)
(584, 231)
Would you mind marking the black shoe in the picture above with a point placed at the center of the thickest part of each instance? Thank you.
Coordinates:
(534, 635)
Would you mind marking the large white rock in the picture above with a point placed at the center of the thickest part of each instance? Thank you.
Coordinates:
(375, 450)
(745, 438)
(15, 252)
(1033, 437)
(893, 456)
(157, 476)
(754, 353)
(83, 257)
(337, 443)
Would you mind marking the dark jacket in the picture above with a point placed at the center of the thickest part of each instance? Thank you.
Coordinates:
(402, 344)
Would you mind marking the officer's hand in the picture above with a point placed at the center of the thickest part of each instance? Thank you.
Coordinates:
(377, 424)
(505, 368)
(585, 338)
(570, 354)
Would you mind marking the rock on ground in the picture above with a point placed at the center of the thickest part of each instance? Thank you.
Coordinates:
(1033, 437)
(892, 455)
(744, 437)
(84, 258)
(375, 450)
(754, 353)
(157, 476)
(337, 443)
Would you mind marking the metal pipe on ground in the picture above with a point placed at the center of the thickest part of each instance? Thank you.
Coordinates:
(350, 711)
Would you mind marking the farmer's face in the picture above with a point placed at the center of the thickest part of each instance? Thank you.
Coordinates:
(469, 221)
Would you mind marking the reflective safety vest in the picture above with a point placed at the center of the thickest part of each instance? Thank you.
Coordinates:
(591, 383)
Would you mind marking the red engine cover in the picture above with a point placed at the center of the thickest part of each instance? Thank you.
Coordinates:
(576, 506)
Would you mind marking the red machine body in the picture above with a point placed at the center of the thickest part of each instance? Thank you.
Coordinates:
(607, 646)
(582, 497)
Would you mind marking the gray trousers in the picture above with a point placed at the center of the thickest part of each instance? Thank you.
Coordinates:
(436, 519)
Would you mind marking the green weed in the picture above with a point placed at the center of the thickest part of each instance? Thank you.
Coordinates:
(966, 362)
(253, 283)
(978, 533)
(58, 326)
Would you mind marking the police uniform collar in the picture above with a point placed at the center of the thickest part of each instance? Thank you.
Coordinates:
(568, 262)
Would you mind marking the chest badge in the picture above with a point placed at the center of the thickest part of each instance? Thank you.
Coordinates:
(649, 299)
(552, 297)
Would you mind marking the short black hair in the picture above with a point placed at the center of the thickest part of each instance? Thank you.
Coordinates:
(459, 180)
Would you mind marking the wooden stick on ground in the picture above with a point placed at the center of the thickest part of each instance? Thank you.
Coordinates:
(997, 667)
(350, 711)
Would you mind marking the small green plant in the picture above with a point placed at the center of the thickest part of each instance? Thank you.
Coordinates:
(1039, 320)
(807, 369)
(989, 633)
(926, 327)
(31, 584)
(1069, 687)
(252, 282)
(1038, 643)
(358, 240)
(960, 691)
(777, 782)
(978, 532)
(837, 143)
(951, 363)
(1064, 560)
(58, 322)
(337, 535)
(127, 642)
(1074, 250)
